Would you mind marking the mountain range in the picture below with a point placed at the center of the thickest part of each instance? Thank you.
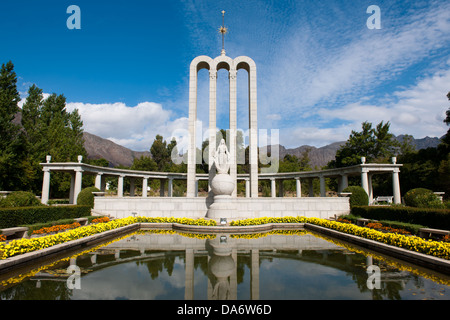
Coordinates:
(116, 154)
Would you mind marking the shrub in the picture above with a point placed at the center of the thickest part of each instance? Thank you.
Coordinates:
(432, 218)
(422, 198)
(13, 217)
(86, 198)
(358, 197)
(20, 199)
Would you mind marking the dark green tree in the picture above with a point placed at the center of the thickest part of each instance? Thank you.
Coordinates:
(376, 144)
(12, 153)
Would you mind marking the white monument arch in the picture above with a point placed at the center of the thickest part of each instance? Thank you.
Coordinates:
(222, 203)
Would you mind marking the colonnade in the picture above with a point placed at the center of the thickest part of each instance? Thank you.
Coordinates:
(78, 169)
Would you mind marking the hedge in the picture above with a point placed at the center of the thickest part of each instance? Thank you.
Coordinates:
(358, 196)
(432, 218)
(13, 217)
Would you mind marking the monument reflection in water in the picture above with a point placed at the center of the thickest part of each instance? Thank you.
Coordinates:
(163, 264)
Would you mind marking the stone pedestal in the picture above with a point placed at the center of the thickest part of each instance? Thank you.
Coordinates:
(222, 185)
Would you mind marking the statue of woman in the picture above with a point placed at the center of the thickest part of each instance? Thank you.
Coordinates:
(222, 158)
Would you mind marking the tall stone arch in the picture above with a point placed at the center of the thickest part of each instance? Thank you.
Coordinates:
(213, 65)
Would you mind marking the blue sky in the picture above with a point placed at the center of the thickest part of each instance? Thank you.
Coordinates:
(321, 70)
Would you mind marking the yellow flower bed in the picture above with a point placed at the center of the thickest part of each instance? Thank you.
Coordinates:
(265, 220)
(20, 246)
(429, 247)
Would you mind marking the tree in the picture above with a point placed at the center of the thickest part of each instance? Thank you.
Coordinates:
(12, 165)
(375, 144)
(50, 130)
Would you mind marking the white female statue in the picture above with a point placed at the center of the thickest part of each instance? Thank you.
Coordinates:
(222, 158)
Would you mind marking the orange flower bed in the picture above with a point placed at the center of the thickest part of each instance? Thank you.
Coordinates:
(2, 237)
(379, 226)
(102, 219)
(57, 228)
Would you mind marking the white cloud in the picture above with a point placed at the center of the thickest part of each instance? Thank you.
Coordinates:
(133, 127)
(418, 110)
(308, 72)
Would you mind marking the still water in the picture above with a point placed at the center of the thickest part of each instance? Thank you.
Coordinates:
(155, 265)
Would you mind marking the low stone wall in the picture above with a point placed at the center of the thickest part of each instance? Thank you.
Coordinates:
(240, 208)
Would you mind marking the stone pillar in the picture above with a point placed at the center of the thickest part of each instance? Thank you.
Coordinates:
(45, 186)
(120, 186)
(343, 183)
(144, 187)
(254, 285)
(298, 188)
(370, 188)
(253, 130)
(192, 152)
(233, 276)
(132, 187)
(72, 187)
(396, 186)
(78, 184)
(212, 123)
(322, 186)
(281, 189)
(170, 188)
(233, 129)
(189, 275)
(311, 187)
(98, 181)
(196, 188)
(162, 186)
(273, 188)
(365, 180)
(247, 188)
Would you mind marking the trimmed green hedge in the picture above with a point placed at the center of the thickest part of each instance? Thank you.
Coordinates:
(86, 198)
(13, 217)
(358, 197)
(432, 218)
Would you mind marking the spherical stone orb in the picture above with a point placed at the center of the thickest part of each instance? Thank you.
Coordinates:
(222, 184)
(222, 266)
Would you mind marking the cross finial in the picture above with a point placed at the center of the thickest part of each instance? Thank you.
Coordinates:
(223, 31)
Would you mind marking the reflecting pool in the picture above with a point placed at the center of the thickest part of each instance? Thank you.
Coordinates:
(164, 264)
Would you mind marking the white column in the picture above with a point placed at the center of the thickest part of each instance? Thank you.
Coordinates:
(253, 137)
(78, 184)
(212, 122)
(273, 187)
(98, 181)
(254, 294)
(281, 189)
(131, 187)
(233, 128)
(396, 186)
(247, 188)
(343, 183)
(365, 180)
(120, 186)
(170, 188)
(45, 186)
(144, 187)
(196, 188)
(189, 275)
(162, 186)
(72, 187)
(298, 188)
(191, 165)
(370, 188)
(311, 188)
(322, 186)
